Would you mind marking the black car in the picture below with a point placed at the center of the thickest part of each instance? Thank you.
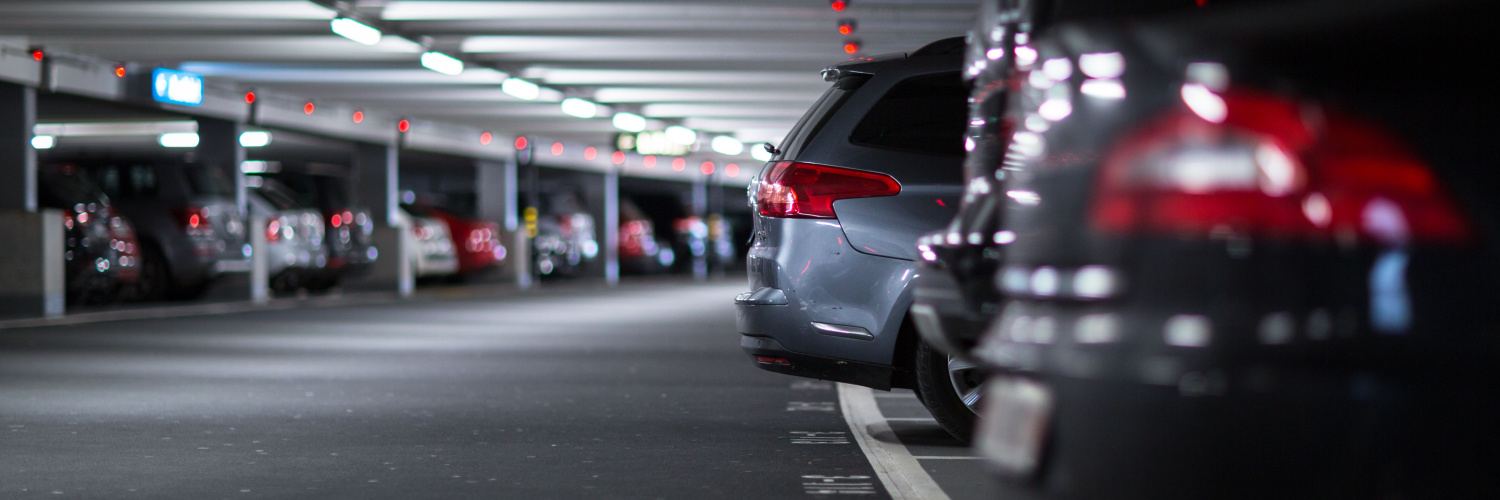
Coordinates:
(347, 227)
(873, 165)
(91, 253)
(1250, 252)
(188, 225)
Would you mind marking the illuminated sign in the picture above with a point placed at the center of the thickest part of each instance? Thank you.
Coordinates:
(650, 143)
(176, 87)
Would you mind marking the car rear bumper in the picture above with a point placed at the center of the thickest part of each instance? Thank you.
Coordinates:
(770, 355)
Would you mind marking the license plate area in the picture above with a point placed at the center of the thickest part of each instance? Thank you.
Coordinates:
(1013, 432)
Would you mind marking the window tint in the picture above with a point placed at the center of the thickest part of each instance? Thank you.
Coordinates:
(924, 114)
(142, 182)
(208, 181)
(813, 121)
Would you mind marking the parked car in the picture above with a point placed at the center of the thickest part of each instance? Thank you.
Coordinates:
(347, 230)
(296, 251)
(91, 252)
(185, 217)
(876, 163)
(477, 242)
(434, 253)
(565, 239)
(1252, 253)
(640, 251)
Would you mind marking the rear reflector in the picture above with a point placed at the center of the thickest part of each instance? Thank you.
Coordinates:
(804, 190)
(1266, 169)
(770, 360)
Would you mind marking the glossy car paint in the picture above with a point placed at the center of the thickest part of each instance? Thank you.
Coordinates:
(1237, 356)
(852, 272)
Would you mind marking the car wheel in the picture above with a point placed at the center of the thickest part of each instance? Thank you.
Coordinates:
(950, 389)
(154, 278)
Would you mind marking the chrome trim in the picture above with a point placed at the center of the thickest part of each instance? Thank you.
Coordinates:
(848, 332)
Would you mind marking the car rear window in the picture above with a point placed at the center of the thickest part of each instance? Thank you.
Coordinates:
(208, 181)
(821, 111)
(923, 114)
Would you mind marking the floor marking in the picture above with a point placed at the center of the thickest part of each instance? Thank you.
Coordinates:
(902, 476)
(809, 406)
(837, 485)
(946, 457)
(804, 437)
(911, 419)
(807, 385)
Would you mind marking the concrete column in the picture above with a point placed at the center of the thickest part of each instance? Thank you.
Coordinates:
(499, 201)
(219, 146)
(260, 269)
(700, 209)
(611, 228)
(376, 187)
(31, 258)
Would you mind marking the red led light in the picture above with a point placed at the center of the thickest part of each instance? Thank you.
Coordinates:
(120, 71)
(851, 47)
(846, 27)
(678, 164)
(37, 54)
(307, 108)
(249, 98)
(403, 125)
(618, 157)
(649, 161)
(359, 116)
(839, 5)
(707, 168)
(732, 170)
(485, 138)
(520, 143)
(590, 153)
(557, 148)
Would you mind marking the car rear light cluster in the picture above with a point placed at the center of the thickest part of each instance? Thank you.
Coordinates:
(483, 239)
(803, 190)
(636, 238)
(1260, 165)
(196, 222)
(281, 228)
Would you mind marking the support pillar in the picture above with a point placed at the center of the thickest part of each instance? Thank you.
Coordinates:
(611, 228)
(498, 200)
(31, 259)
(376, 187)
(700, 209)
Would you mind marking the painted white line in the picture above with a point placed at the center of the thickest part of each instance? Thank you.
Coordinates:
(946, 457)
(911, 419)
(897, 469)
(180, 311)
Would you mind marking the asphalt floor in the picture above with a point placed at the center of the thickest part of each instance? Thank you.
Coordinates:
(574, 391)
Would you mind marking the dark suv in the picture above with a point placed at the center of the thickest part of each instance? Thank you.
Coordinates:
(185, 219)
(873, 165)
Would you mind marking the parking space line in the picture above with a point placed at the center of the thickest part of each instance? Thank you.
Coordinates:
(897, 469)
(946, 457)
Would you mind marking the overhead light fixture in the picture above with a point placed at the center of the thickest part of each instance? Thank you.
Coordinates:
(520, 89)
(178, 140)
(580, 108)
(681, 135)
(442, 63)
(255, 139)
(726, 145)
(760, 153)
(43, 141)
(260, 167)
(630, 122)
(355, 30)
(847, 26)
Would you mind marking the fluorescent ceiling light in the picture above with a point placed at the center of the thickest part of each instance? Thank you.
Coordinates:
(521, 89)
(681, 135)
(43, 142)
(759, 152)
(116, 129)
(178, 140)
(355, 30)
(630, 122)
(726, 145)
(574, 106)
(260, 167)
(442, 63)
(255, 139)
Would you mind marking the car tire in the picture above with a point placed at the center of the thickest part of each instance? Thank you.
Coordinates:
(939, 395)
(155, 279)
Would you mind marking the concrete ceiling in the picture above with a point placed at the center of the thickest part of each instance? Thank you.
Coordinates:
(746, 68)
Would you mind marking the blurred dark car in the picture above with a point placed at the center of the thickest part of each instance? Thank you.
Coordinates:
(1254, 252)
(185, 218)
(688, 239)
(476, 242)
(640, 251)
(94, 252)
(348, 227)
(565, 238)
(876, 163)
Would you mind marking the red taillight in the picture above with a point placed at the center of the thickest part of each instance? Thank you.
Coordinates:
(803, 190)
(772, 360)
(1266, 171)
(273, 230)
(193, 218)
(336, 220)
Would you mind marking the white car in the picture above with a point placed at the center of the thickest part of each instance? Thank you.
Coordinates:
(433, 253)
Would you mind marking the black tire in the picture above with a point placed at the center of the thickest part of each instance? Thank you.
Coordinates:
(155, 280)
(938, 395)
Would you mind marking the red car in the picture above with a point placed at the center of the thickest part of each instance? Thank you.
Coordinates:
(477, 241)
